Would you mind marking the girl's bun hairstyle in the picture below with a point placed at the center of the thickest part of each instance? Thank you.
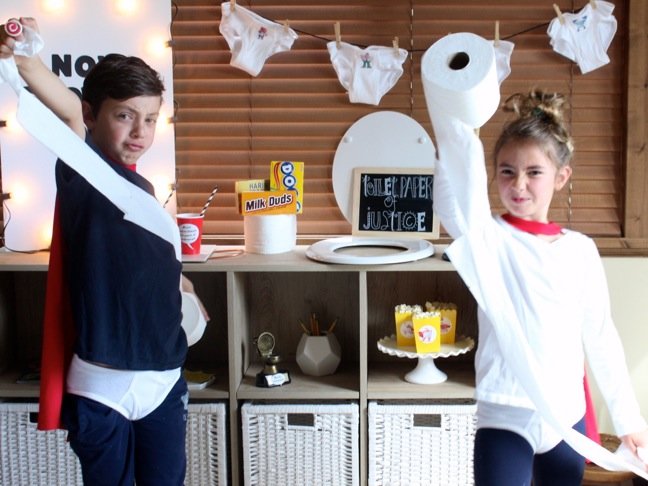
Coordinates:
(540, 119)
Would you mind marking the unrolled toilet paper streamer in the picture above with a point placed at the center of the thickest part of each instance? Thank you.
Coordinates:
(138, 206)
(462, 93)
(270, 233)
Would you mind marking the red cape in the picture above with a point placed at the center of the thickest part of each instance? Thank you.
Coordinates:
(58, 333)
(58, 336)
(591, 426)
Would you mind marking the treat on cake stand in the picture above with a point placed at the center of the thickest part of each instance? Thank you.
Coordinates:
(426, 372)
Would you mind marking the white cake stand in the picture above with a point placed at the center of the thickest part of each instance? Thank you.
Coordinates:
(426, 372)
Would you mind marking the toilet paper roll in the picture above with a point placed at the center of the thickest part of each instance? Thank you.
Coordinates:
(271, 233)
(460, 78)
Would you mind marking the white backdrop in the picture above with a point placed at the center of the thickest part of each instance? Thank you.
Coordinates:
(76, 34)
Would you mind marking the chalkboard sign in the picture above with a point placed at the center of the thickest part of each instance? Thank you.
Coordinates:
(394, 203)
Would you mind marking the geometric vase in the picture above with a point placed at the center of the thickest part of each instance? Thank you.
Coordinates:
(318, 355)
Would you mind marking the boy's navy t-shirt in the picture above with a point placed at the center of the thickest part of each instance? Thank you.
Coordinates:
(123, 280)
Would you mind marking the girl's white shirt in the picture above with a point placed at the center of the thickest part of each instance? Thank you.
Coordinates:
(559, 292)
(549, 300)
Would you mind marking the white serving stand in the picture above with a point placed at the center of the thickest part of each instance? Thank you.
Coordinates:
(426, 372)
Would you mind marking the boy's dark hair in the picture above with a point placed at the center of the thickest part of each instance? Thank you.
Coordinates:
(120, 77)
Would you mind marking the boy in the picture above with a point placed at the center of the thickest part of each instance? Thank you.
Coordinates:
(126, 401)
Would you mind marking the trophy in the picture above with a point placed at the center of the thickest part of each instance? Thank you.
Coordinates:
(270, 376)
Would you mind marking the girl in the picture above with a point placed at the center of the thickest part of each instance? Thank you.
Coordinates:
(542, 296)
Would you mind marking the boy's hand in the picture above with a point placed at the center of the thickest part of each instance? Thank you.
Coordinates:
(13, 27)
(7, 43)
(10, 34)
(187, 286)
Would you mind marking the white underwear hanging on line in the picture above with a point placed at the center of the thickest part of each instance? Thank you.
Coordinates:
(367, 74)
(251, 38)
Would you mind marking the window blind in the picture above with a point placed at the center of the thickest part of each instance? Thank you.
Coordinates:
(230, 125)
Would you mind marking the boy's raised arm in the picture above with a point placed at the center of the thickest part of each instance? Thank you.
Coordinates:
(43, 83)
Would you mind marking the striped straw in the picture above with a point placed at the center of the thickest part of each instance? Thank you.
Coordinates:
(209, 200)
(173, 188)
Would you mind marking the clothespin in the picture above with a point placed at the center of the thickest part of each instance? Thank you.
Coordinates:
(395, 44)
(593, 4)
(232, 5)
(497, 36)
(559, 14)
(338, 36)
(286, 25)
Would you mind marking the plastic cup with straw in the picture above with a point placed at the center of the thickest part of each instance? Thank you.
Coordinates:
(190, 225)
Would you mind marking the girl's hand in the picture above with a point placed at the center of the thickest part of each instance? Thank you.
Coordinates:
(635, 441)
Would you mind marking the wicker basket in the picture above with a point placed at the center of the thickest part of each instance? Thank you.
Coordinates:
(429, 444)
(299, 444)
(32, 458)
(206, 445)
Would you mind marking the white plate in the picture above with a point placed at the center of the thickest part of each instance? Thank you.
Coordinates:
(203, 256)
(389, 346)
(193, 321)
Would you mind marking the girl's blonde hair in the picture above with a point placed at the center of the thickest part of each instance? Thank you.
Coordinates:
(540, 119)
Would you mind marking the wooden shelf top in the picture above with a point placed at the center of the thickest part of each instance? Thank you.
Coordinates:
(386, 381)
(234, 259)
(297, 261)
(26, 262)
(342, 385)
(10, 389)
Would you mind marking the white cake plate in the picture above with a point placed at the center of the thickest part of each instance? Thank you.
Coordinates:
(426, 372)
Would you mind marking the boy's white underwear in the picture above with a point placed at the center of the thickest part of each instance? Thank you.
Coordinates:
(367, 74)
(134, 394)
(525, 422)
(252, 38)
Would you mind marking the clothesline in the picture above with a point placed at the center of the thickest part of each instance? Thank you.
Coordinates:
(364, 46)
(583, 37)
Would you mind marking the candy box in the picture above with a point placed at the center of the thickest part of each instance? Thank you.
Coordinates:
(288, 175)
(267, 202)
(448, 319)
(250, 185)
(427, 331)
(404, 325)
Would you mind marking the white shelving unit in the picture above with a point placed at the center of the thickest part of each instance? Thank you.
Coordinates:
(249, 294)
